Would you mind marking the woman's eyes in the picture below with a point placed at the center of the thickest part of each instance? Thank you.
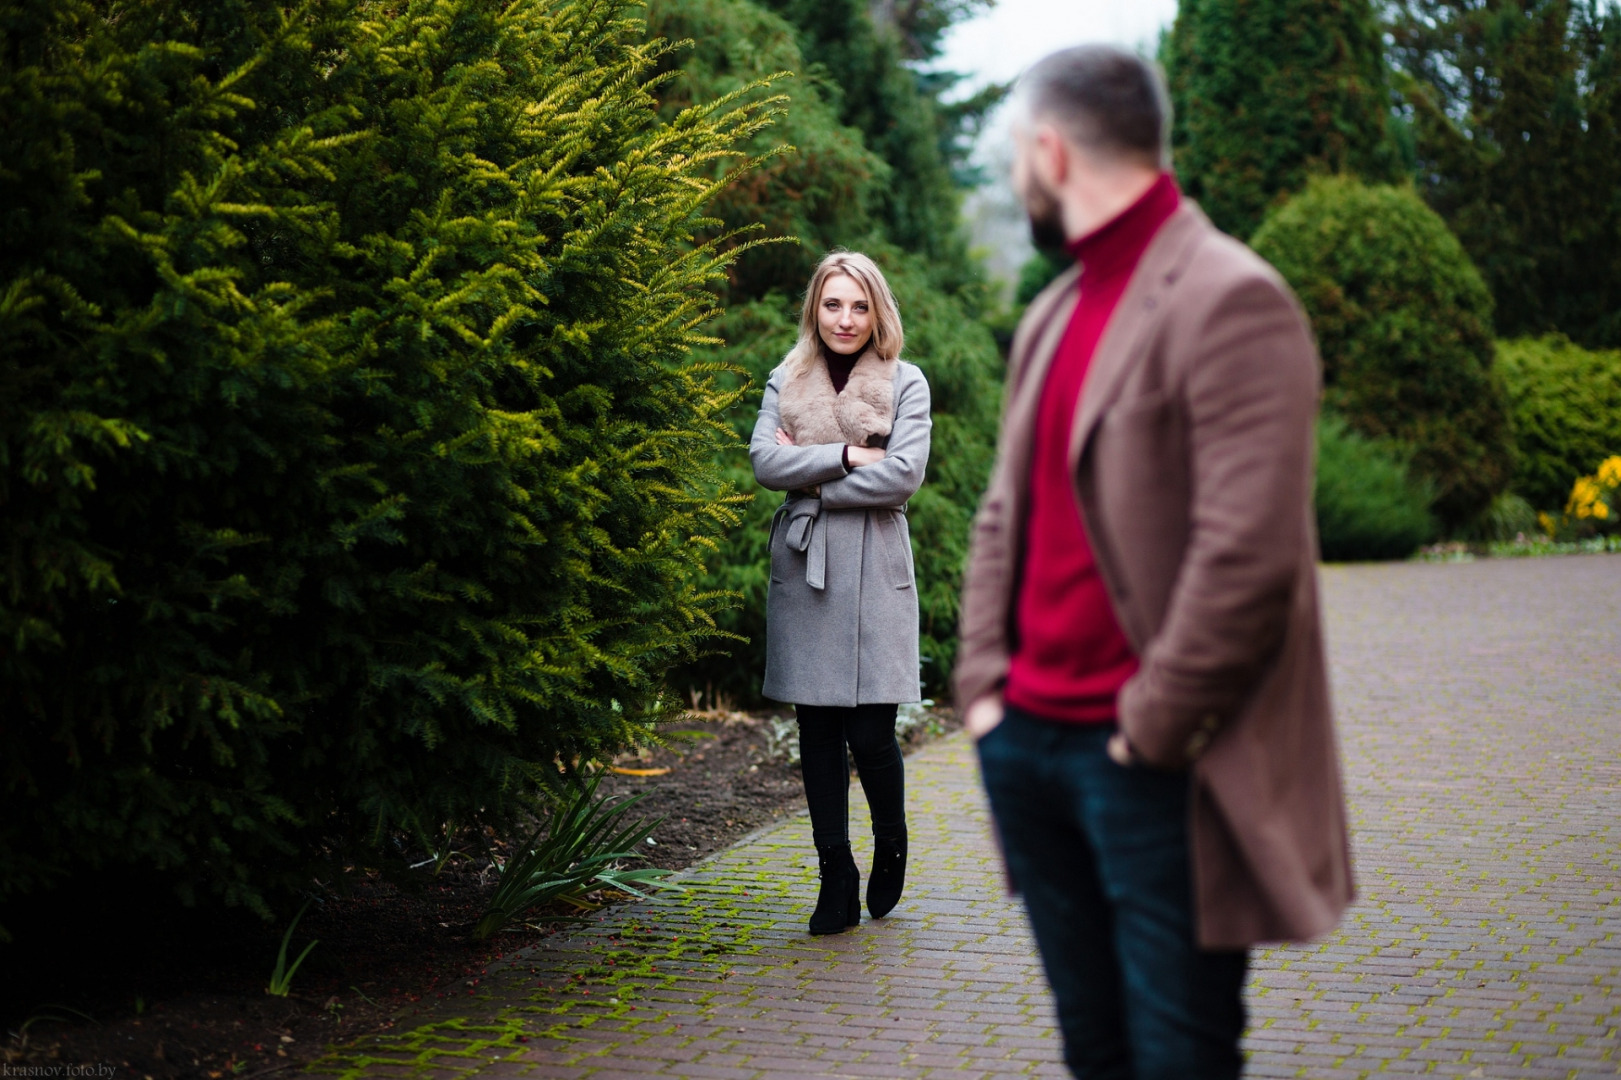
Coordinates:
(833, 305)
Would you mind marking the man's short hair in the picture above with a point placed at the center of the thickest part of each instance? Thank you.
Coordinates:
(1110, 102)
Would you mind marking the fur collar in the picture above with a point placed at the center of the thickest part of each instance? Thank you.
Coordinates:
(812, 413)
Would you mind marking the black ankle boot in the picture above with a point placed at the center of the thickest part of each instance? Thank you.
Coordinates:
(888, 876)
(838, 905)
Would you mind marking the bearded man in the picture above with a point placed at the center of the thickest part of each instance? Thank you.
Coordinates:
(1141, 659)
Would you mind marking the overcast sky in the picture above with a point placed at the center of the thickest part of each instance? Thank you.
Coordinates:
(1016, 33)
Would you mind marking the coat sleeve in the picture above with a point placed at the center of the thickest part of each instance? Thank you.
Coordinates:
(783, 468)
(897, 477)
(983, 650)
(1251, 400)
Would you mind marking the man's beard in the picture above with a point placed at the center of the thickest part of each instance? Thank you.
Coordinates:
(1046, 221)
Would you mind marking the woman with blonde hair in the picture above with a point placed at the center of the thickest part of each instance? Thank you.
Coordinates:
(844, 430)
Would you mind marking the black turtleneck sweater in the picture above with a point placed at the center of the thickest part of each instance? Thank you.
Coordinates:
(839, 367)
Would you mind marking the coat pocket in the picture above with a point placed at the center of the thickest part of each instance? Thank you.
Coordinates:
(777, 546)
(896, 541)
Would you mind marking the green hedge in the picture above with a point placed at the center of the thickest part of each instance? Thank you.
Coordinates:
(1368, 505)
(1566, 404)
(352, 465)
(1403, 322)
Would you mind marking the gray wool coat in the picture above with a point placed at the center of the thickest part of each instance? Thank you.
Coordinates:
(841, 610)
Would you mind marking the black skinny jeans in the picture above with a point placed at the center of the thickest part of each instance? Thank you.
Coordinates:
(869, 731)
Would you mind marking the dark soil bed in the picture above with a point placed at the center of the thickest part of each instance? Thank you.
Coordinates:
(111, 973)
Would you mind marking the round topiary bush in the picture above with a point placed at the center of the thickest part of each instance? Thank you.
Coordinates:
(1368, 506)
(1566, 405)
(353, 466)
(1403, 321)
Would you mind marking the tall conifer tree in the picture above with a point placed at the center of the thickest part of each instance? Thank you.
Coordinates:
(1517, 115)
(867, 54)
(1267, 92)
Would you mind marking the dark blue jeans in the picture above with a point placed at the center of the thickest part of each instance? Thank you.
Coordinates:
(1100, 853)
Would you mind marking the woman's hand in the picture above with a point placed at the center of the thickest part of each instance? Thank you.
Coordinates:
(783, 438)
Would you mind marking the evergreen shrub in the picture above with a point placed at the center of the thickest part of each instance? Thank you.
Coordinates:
(1403, 322)
(1368, 505)
(817, 183)
(1566, 406)
(1509, 519)
(867, 58)
(353, 465)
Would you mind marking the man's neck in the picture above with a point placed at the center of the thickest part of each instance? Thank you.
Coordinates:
(1088, 206)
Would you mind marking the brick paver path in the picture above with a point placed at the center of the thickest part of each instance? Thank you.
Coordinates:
(1480, 710)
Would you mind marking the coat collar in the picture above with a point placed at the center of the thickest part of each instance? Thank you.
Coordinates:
(1141, 308)
(813, 413)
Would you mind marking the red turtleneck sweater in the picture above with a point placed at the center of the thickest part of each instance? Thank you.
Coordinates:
(1071, 657)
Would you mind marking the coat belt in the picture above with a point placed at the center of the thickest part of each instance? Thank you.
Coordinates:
(802, 534)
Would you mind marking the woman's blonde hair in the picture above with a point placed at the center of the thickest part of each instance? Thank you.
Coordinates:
(887, 336)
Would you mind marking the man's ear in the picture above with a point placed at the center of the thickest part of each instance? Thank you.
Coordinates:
(1050, 156)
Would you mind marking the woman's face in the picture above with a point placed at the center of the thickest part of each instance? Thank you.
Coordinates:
(843, 315)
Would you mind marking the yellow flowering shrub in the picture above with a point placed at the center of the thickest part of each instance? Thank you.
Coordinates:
(1592, 504)
(1587, 499)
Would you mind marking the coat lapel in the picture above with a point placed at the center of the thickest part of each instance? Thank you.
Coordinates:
(805, 406)
(1047, 318)
(1140, 309)
(866, 405)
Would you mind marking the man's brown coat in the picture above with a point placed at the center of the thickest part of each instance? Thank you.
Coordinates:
(1192, 461)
